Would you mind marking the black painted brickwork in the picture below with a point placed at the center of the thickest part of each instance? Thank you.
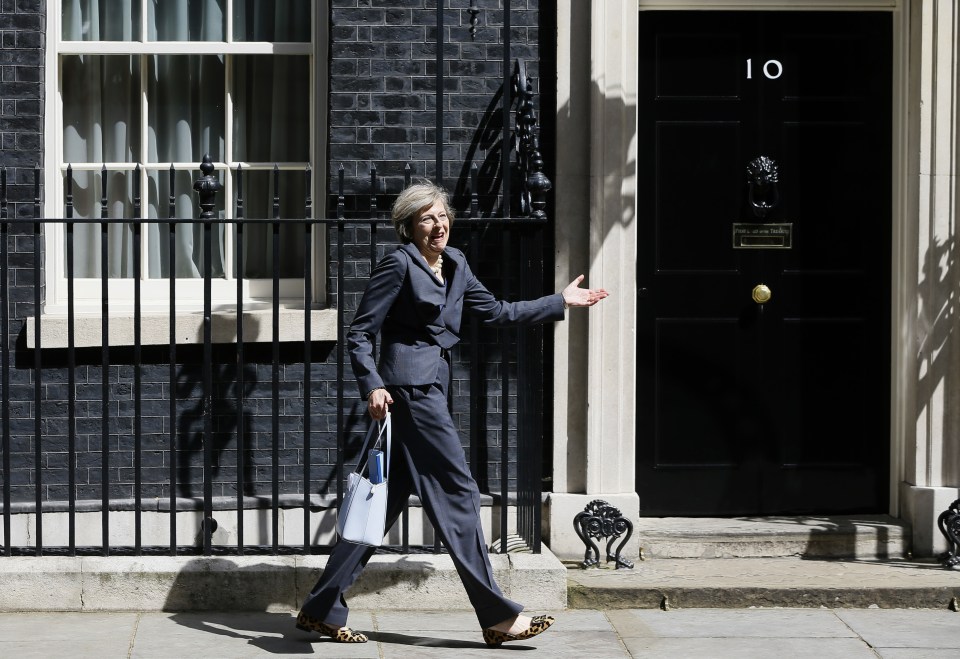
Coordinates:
(22, 43)
(383, 84)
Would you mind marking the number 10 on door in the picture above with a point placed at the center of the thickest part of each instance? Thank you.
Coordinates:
(772, 69)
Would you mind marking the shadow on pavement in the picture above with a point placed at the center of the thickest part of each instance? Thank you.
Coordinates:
(271, 632)
(425, 641)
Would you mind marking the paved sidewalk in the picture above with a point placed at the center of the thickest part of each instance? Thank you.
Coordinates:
(580, 634)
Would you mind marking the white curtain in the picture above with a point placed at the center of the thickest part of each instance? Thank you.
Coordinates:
(186, 94)
(258, 139)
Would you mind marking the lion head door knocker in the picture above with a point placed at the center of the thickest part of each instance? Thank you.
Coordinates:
(762, 190)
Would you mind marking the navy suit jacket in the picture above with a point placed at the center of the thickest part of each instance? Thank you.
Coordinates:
(417, 316)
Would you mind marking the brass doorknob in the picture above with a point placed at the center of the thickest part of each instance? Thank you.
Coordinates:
(761, 293)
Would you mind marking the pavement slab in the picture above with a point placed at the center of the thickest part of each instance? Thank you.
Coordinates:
(890, 629)
(734, 633)
(736, 623)
(749, 648)
(45, 635)
(578, 634)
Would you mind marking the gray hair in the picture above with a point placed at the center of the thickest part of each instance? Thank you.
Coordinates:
(413, 201)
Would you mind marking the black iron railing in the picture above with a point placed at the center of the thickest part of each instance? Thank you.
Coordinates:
(510, 472)
(519, 238)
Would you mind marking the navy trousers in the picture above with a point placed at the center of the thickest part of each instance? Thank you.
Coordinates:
(428, 460)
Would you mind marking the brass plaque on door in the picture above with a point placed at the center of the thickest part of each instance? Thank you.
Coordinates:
(751, 235)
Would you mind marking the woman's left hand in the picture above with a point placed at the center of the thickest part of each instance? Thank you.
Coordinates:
(378, 403)
(574, 296)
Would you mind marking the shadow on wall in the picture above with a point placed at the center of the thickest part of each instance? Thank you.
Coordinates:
(847, 537)
(225, 402)
(241, 421)
(220, 584)
(228, 423)
(938, 358)
(575, 196)
(837, 537)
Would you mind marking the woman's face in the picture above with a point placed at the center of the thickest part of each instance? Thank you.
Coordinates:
(431, 230)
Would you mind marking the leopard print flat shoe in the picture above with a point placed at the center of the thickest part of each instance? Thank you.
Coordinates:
(538, 625)
(338, 634)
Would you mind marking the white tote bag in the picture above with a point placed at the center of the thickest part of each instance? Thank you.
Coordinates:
(364, 509)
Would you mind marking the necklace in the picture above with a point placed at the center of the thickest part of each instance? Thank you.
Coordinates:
(437, 267)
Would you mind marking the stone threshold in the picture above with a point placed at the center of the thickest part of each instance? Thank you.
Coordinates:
(838, 536)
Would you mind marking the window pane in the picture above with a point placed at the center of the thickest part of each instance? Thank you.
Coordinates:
(87, 247)
(186, 98)
(272, 107)
(257, 250)
(101, 108)
(187, 238)
(271, 20)
(186, 20)
(100, 20)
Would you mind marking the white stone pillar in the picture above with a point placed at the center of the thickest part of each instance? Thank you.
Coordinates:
(595, 351)
(931, 456)
(611, 375)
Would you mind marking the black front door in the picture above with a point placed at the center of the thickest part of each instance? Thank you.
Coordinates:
(764, 308)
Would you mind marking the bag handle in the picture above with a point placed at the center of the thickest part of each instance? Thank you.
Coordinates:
(372, 440)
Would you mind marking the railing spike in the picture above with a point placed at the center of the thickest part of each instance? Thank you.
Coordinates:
(474, 196)
(137, 201)
(341, 206)
(172, 198)
(68, 192)
(276, 192)
(103, 192)
(240, 209)
(308, 184)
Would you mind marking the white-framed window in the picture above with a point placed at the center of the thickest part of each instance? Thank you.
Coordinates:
(160, 83)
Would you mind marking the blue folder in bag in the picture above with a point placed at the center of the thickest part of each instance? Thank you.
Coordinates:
(375, 463)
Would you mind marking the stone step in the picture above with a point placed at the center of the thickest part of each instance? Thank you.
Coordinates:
(766, 582)
(867, 537)
(262, 583)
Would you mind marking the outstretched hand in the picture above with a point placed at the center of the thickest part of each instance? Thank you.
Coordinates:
(574, 296)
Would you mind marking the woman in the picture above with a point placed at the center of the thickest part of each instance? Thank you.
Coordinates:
(415, 299)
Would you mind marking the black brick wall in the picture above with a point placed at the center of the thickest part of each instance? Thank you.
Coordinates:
(383, 83)
(22, 42)
(382, 111)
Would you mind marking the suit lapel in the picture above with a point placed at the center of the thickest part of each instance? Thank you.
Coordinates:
(428, 294)
(419, 261)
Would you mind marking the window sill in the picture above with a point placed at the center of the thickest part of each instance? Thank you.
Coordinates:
(155, 328)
